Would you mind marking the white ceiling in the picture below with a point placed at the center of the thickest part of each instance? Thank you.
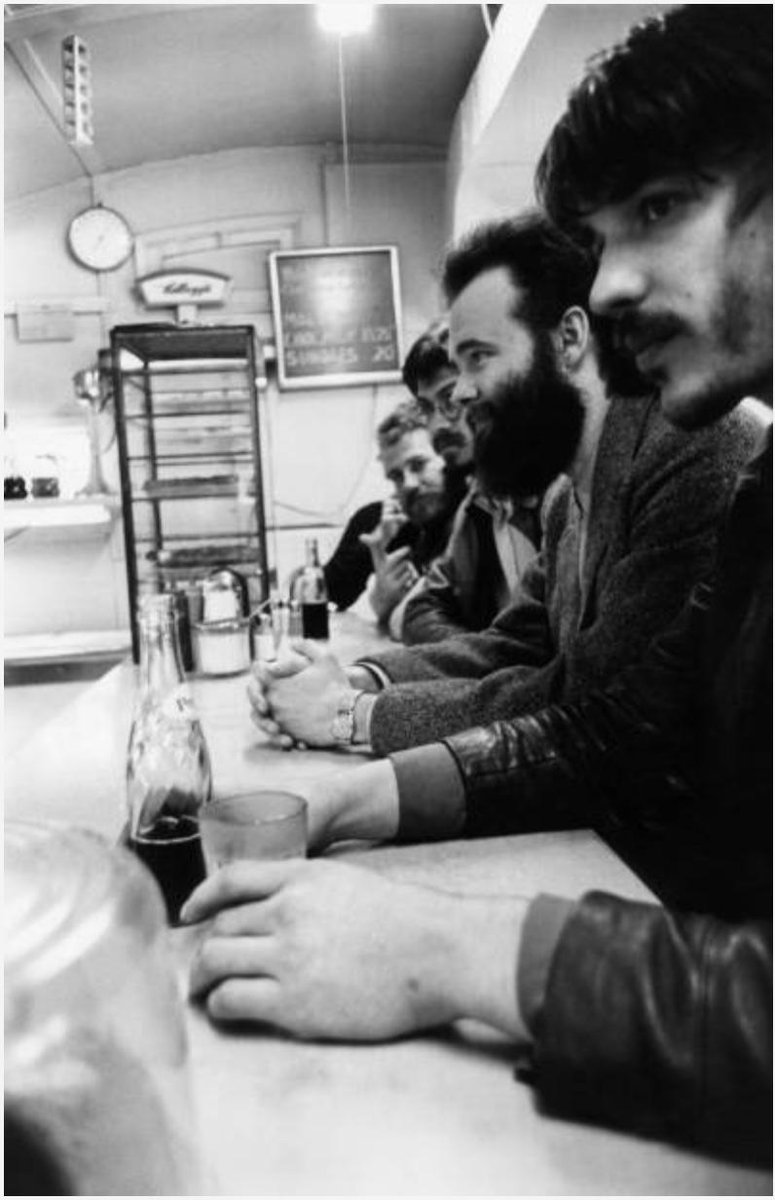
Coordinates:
(171, 80)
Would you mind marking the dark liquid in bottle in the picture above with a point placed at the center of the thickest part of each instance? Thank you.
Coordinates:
(172, 852)
(314, 620)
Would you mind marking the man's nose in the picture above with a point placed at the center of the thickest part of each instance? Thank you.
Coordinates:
(620, 284)
(464, 390)
(436, 421)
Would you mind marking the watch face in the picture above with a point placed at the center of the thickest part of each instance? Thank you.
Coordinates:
(100, 238)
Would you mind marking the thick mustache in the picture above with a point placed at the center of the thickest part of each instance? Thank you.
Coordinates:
(635, 331)
(480, 413)
(448, 437)
(420, 494)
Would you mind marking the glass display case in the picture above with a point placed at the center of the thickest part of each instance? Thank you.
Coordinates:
(188, 433)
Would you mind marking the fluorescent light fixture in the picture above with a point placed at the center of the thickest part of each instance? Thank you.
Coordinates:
(355, 17)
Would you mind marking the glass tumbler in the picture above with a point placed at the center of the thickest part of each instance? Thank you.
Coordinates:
(253, 825)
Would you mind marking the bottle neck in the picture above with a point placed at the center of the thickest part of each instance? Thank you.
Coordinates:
(311, 553)
(161, 668)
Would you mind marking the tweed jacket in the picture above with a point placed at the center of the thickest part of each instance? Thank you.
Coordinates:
(647, 545)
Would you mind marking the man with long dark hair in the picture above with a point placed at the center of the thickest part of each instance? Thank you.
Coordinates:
(654, 1019)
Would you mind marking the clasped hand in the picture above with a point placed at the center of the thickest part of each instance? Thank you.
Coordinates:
(296, 698)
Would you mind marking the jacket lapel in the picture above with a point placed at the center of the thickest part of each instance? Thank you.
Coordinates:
(622, 433)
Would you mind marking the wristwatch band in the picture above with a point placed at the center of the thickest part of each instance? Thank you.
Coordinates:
(343, 724)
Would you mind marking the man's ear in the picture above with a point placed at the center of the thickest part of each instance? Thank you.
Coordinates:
(572, 338)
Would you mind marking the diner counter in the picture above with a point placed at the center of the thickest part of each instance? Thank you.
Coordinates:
(435, 1114)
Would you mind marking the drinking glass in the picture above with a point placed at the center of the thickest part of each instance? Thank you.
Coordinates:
(253, 825)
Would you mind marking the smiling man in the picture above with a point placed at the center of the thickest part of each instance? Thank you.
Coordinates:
(644, 1017)
(492, 541)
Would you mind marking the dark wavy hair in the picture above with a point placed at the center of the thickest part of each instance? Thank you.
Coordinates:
(427, 355)
(553, 273)
(690, 90)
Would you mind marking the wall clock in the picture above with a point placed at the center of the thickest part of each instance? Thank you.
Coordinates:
(99, 238)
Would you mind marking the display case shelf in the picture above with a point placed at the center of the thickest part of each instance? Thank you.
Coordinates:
(180, 522)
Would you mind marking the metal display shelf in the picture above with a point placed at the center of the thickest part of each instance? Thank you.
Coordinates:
(192, 490)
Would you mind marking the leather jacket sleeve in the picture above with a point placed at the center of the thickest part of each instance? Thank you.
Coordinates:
(573, 763)
(661, 1024)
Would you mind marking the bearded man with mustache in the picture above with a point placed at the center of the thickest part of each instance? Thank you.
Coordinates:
(493, 539)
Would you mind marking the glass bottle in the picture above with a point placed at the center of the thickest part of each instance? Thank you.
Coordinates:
(311, 594)
(168, 765)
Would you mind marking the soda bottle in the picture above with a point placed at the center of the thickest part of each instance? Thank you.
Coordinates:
(311, 594)
(168, 765)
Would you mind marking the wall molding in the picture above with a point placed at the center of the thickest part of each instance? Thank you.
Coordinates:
(79, 305)
(206, 244)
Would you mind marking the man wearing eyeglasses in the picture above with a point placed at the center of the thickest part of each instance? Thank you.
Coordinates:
(492, 540)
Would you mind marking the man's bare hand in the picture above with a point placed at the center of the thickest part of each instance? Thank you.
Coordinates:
(393, 518)
(298, 697)
(393, 578)
(260, 709)
(331, 951)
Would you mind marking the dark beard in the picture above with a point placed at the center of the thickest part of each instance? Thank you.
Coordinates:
(527, 430)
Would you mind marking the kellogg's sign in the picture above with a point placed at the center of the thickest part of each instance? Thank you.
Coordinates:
(170, 289)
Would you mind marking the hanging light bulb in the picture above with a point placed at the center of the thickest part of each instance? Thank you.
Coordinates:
(345, 18)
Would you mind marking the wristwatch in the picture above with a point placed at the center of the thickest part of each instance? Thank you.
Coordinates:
(343, 724)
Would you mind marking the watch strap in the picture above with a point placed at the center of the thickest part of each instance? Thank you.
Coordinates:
(343, 724)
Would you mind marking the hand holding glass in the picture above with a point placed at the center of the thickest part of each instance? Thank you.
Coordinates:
(253, 825)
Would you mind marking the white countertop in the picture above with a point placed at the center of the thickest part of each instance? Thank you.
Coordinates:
(436, 1114)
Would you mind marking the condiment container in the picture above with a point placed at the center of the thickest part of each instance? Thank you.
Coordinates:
(45, 476)
(222, 647)
(225, 594)
(263, 639)
(221, 599)
(96, 1085)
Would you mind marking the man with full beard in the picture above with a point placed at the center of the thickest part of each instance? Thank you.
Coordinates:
(493, 540)
(621, 547)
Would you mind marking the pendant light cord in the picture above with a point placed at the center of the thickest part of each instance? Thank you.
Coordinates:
(345, 143)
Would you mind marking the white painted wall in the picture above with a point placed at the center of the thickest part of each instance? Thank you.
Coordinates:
(322, 464)
(517, 94)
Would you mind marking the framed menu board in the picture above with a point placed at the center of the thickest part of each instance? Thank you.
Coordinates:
(337, 316)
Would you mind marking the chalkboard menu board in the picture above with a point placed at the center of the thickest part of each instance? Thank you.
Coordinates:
(337, 316)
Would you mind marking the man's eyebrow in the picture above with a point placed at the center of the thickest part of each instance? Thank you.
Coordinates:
(470, 343)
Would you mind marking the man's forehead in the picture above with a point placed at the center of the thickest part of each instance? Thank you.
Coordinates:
(487, 304)
(416, 441)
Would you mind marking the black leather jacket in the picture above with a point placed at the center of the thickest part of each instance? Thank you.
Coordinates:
(661, 1024)
(673, 765)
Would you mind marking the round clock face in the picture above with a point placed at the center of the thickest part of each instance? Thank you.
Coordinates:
(100, 239)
